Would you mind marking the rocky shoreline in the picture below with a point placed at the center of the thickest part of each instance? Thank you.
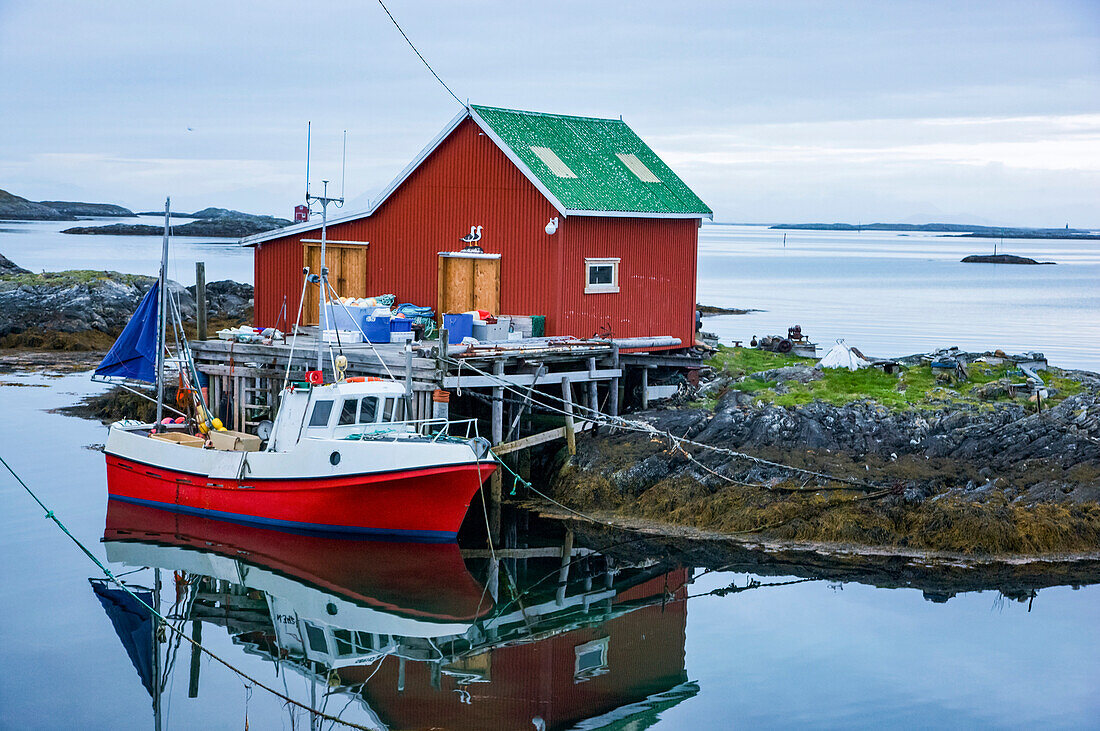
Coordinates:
(969, 477)
(86, 309)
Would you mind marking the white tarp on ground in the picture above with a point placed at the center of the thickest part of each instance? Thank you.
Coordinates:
(842, 356)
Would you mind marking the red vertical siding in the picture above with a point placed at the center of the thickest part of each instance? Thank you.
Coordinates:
(468, 181)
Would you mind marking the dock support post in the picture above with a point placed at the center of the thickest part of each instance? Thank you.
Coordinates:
(563, 572)
(196, 655)
(409, 415)
(645, 388)
(570, 428)
(593, 393)
(496, 482)
(200, 300)
(613, 394)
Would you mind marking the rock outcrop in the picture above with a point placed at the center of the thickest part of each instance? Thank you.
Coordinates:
(100, 301)
(76, 208)
(14, 207)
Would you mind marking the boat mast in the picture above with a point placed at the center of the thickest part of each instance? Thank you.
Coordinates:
(322, 282)
(162, 308)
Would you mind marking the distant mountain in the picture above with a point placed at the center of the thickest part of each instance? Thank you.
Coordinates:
(14, 207)
(74, 208)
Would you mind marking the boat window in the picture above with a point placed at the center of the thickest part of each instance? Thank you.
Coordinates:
(321, 412)
(347, 411)
(314, 634)
(369, 410)
(387, 410)
(344, 645)
(399, 410)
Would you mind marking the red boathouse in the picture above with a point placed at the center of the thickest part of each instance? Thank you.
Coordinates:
(592, 229)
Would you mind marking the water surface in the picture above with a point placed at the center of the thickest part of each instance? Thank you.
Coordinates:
(645, 640)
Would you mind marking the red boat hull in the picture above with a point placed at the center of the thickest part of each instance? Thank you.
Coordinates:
(427, 581)
(422, 504)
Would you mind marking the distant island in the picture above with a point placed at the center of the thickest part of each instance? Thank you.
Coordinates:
(956, 228)
(14, 207)
(1001, 259)
(212, 223)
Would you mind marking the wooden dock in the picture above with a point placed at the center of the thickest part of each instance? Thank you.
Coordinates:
(492, 382)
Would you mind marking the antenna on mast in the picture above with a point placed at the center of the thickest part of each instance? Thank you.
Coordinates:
(308, 130)
(344, 165)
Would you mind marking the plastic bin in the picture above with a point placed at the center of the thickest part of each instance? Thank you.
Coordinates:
(401, 325)
(377, 329)
(344, 319)
(458, 326)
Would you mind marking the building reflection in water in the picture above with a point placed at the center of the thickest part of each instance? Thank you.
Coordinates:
(550, 637)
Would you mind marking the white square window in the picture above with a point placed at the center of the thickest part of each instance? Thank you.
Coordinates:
(601, 275)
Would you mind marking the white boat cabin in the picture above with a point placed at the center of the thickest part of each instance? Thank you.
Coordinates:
(340, 410)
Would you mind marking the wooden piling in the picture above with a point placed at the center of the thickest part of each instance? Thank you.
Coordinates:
(645, 388)
(593, 391)
(570, 427)
(196, 654)
(613, 386)
(200, 300)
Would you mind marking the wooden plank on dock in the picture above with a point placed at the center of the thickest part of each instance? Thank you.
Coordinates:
(536, 439)
(527, 379)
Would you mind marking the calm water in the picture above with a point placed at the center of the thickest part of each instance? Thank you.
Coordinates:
(887, 293)
(40, 245)
(406, 636)
(894, 293)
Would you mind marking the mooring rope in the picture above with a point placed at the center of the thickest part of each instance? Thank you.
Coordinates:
(164, 620)
(674, 441)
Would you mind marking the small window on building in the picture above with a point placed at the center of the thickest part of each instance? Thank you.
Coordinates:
(637, 167)
(551, 160)
(347, 411)
(601, 275)
(369, 410)
(321, 411)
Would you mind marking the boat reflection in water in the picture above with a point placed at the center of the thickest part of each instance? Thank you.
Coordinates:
(552, 638)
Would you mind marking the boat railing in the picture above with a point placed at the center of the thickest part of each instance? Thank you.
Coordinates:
(436, 428)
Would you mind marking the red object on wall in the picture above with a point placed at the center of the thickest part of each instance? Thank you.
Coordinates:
(301, 213)
(468, 180)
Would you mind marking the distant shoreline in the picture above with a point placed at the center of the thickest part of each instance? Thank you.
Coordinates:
(961, 230)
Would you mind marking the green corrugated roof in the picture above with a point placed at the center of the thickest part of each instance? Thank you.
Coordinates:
(591, 148)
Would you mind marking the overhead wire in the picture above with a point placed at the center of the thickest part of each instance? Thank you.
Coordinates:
(418, 53)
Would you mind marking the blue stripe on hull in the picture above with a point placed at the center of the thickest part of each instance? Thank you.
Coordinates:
(291, 526)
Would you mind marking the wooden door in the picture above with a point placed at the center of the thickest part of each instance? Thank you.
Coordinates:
(468, 282)
(347, 271)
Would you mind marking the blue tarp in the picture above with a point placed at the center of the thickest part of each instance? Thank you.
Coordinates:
(134, 354)
(133, 624)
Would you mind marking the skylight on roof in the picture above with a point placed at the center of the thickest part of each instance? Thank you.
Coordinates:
(552, 161)
(637, 167)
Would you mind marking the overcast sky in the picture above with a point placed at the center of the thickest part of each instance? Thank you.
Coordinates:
(771, 111)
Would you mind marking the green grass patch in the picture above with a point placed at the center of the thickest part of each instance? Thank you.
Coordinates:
(915, 387)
